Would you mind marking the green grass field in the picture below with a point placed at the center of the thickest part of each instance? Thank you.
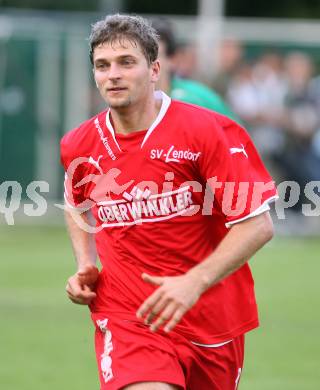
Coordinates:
(46, 342)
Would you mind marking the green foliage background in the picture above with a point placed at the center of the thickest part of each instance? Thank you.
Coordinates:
(257, 8)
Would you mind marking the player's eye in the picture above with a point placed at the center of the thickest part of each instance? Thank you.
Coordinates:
(101, 66)
(127, 62)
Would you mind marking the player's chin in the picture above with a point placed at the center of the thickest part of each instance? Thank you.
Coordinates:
(119, 103)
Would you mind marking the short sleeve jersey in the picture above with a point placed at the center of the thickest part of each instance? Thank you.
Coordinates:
(163, 199)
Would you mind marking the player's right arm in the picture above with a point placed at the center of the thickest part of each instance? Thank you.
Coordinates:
(80, 286)
(79, 220)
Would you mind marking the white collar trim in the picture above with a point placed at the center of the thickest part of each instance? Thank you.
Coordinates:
(166, 101)
(111, 129)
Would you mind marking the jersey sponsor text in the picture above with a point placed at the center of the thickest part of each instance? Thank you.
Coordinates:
(157, 207)
(174, 155)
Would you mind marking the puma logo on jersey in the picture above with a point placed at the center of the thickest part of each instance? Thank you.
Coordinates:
(96, 163)
(173, 155)
(239, 150)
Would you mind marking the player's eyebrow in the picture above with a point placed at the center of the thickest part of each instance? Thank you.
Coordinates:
(126, 57)
(119, 58)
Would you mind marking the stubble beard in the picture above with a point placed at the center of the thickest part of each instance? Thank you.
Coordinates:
(120, 104)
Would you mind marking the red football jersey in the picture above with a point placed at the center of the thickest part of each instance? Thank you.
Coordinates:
(163, 199)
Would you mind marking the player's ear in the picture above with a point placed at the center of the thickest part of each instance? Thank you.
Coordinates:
(155, 70)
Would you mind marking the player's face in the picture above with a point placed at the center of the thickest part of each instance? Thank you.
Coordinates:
(123, 75)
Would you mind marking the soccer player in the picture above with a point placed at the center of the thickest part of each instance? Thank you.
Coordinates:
(179, 198)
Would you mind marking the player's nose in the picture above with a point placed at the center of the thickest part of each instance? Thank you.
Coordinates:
(114, 71)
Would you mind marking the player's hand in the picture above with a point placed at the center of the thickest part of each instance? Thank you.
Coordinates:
(174, 297)
(80, 286)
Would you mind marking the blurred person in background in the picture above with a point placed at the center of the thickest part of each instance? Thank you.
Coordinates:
(315, 93)
(300, 159)
(184, 60)
(279, 101)
(257, 94)
(178, 87)
(230, 55)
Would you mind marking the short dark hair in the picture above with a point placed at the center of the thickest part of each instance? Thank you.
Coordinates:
(164, 29)
(132, 27)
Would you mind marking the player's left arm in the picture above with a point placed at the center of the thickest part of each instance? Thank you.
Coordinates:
(177, 294)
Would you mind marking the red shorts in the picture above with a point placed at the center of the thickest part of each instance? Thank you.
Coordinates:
(127, 352)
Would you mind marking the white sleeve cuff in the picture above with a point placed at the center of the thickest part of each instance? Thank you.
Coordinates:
(260, 210)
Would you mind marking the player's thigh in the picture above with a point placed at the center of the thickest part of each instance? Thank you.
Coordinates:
(150, 386)
(130, 356)
(217, 368)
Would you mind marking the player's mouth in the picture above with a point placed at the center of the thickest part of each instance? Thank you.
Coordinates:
(116, 90)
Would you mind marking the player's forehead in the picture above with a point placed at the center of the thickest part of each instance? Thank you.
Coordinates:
(118, 47)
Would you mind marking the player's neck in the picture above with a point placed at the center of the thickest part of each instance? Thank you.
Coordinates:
(135, 118)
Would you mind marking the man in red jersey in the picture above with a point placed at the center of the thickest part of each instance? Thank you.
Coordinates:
(180, 200)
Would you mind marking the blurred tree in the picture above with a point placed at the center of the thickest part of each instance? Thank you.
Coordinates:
(253, 8)
(111, 6)
(274, 8)
(169, 7)
(69, 5)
